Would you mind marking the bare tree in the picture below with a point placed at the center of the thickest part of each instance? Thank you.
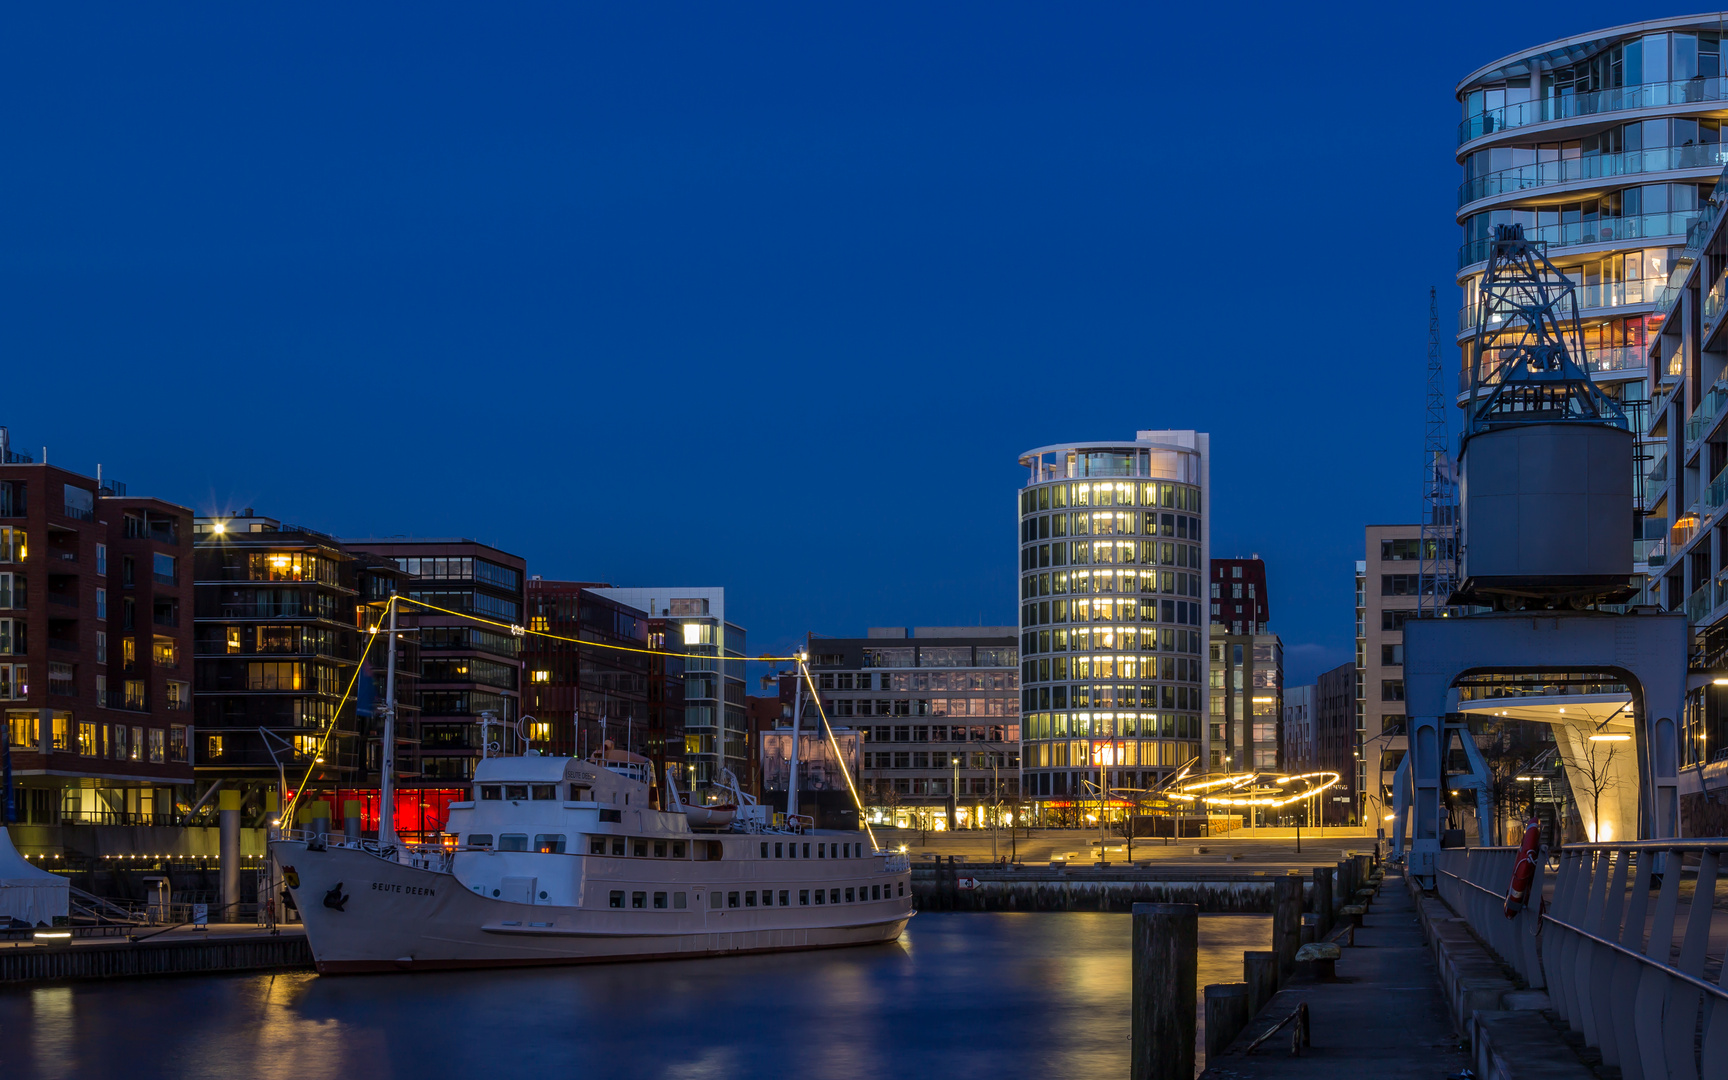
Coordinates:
(1594, 771)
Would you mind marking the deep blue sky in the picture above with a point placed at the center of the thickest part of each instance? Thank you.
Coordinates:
(765, 297)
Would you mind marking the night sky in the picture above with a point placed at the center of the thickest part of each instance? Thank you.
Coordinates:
(768, 298)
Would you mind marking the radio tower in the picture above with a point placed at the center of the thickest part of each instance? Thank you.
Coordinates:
(1439, 555)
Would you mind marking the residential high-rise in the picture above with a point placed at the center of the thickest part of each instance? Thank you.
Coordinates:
(1113, 554)
(940, 706)
(1240, 603)
(573, 687)
(1604, 145)
(95, 647)
(1247, 701)
(716, 728)
(467, 668)
(1296, 730)
(1388, 585)
(1334, 745)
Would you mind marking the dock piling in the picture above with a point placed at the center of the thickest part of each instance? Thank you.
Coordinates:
(1286, 923)
(1260, 972)
(1165, 973)
(1226, 1015)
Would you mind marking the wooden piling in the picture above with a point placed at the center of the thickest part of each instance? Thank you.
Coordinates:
(1165, 976)
(1323, 900)
(1226, 1015)
(1260, 972)
(1286, 923)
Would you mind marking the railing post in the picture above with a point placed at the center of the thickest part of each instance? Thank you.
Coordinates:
(1164, 974)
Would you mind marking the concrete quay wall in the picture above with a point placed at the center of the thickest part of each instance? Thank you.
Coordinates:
(941, 889)
(176, 956)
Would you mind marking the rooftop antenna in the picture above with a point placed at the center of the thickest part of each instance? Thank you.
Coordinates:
(1439, 538)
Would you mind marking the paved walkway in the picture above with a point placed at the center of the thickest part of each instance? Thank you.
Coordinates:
(1384, 1018)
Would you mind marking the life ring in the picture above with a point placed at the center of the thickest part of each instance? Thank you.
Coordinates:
(1523, 871)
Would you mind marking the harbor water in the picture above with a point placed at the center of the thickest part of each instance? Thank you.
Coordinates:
(959, 995)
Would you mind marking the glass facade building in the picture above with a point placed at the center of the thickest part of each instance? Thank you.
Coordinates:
(1113, 555)
(1606, 146)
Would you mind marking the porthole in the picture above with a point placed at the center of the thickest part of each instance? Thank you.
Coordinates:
(542, 894)
(494, 892)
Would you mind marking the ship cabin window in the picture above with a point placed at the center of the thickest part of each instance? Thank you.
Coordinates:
(578, 793)
(596, 845)
(714, 900)
(614, 816)
(784, 894)
(778, 853)
(750, 898)
(819, 896)
(639, 848)
(479, 839)
(491, 791)
(848, 896)
(678, 901)
(659, 900)
(821, 851)
(638, 899)
(515, 791)
(764, 849)
(549, 843)
(544, 791)
(659, 849)
(678, 851)
(617, 845)
(617, 898)
(513, 842)
(731, 899)
(716, 850)
(804, 897)
(875, 892)
(806, 851)
(902, 888)
(834, 896)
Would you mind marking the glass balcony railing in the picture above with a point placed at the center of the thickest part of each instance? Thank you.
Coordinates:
(1594, 231)
(1543, 174)
(1650, 552)
(1600, 296)
(1699, 421)
(1619, 99)
(1606, 360)
(1713, 300)
(1698, 605)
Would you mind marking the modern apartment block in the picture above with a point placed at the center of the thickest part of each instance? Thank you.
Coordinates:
(95, 648)
(467, 669)
(280, 619)
(1334, 746)
(1246, 701)
(1239, 601)
(1296, 728)
(1113, 556)
(1388, 594)
(716, 728)
(940, 708)
(573, 688)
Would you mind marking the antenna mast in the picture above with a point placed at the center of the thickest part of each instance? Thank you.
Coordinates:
(1439, 550)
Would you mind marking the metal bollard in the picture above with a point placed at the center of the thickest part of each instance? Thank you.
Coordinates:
(1165, 974)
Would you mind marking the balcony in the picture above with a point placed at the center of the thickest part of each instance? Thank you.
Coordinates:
(165, 579)
(1699, 422)
(1651, 552)
(1543, 174)
(128, 701)
(1595, 231)
(1607, 360)
(1602, 296)
(1619, 99)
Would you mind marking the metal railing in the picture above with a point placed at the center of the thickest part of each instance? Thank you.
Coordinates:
(1605, 953)
(1602, 230)
(1584, 167)
(1591, 103)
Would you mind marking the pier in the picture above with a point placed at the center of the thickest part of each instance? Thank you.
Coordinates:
(221, 948)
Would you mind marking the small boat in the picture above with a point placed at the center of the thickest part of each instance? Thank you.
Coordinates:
(710, 817)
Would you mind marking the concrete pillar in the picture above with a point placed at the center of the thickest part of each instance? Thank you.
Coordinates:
(351, 810)
(1226, 1015)
(229, 804)
(1164, 976)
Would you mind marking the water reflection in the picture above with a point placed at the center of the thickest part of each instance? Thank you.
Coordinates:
(960, 995)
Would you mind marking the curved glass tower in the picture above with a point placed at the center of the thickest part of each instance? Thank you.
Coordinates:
(1113, 550)
(1603, 145)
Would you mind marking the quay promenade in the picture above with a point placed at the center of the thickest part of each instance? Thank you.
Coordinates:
(223, 947)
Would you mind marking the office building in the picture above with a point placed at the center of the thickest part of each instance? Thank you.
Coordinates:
(469, 667)
(609, 681)
(1113, 550)
(716, 729)
(940, 709)
(95, 648)
(1246, 701)
(1239, 600)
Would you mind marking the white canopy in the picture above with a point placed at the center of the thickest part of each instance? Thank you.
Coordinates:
(28, 892)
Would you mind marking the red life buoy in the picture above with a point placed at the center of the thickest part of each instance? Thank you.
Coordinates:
(1523, 871)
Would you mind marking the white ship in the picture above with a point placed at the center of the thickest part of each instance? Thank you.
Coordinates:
(562, 860)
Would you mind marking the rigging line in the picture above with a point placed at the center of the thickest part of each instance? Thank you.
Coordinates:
(517, 629)
(834, 743)
(288, 808)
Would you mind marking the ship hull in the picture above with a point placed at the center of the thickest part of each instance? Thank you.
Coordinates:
(364, 913)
